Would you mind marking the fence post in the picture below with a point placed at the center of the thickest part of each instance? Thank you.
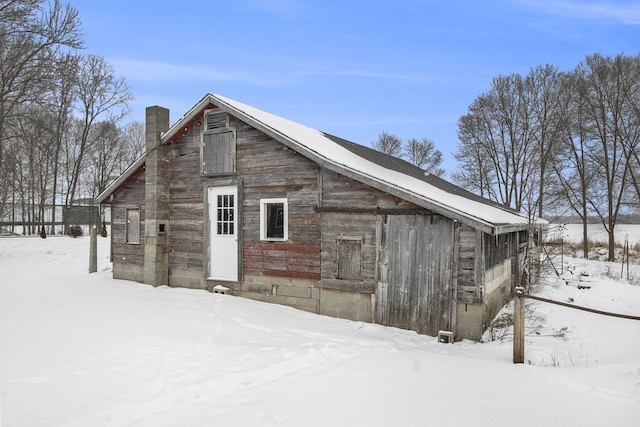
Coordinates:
(93, 250)
(518, 326)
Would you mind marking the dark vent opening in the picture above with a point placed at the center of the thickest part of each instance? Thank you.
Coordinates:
(215, 120)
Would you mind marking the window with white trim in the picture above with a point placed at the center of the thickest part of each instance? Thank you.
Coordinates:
(274, 218)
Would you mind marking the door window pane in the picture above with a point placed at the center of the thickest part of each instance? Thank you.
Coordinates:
(226, 215)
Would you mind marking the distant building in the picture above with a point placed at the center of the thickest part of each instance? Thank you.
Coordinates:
(83, 213)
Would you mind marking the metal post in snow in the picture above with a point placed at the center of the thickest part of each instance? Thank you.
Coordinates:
(627, 250)
(625, 253)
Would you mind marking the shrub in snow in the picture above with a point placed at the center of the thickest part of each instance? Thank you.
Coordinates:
(43, 233)
(75, 231)
(103, 232)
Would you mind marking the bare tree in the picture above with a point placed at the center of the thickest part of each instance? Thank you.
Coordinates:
(608, 82)
(59, 103)
(570, 165)
(389, 144)
(100, 94)
(107, 147)
(424, 154)
(113, 150)
(584, 126)
(38, 164)
(543, 87)
(631, 129)
(133, 144)
(50, 100)
(500, 125)
(475, 171)
(31, 36)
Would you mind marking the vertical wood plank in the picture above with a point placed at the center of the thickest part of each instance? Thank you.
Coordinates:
(414, 272)
(518, 326)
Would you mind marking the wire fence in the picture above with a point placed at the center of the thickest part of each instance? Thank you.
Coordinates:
(577, 307)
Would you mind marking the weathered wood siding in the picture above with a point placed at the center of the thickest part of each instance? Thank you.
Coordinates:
(349, 209)
(415, 258)
(359, 227)
(470, 263)
(186, 207)
(268, 169)
(132, 196)
(478, 252)
(264, 169)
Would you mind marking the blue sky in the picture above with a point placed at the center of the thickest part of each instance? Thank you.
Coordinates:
(350, 68)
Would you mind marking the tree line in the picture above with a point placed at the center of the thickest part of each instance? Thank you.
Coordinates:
(558, 143)
(62, 135)
(549, 143)
(546, 143)
(422, 153)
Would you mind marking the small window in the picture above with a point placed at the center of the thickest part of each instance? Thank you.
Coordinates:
(349, 259)
(274, 215)
(133, 226)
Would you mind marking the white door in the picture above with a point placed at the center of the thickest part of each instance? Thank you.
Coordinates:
(223, 221)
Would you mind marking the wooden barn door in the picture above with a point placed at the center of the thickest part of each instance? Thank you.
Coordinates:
(414, 272)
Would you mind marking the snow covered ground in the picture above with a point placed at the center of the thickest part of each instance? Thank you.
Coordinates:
(85, 350)
(572, 233)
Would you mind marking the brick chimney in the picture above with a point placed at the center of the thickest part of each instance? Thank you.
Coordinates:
(156, 222)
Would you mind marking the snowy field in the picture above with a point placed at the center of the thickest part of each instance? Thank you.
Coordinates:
(572, 233)
(85, 350)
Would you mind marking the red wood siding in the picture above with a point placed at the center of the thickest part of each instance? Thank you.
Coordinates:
(268, 169)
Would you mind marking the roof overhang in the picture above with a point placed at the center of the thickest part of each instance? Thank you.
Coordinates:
(165, 137)
(104, 196)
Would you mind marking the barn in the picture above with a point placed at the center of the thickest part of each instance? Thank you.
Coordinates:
(232, 197)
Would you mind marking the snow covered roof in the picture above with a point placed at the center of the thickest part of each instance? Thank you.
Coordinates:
(384, 172)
